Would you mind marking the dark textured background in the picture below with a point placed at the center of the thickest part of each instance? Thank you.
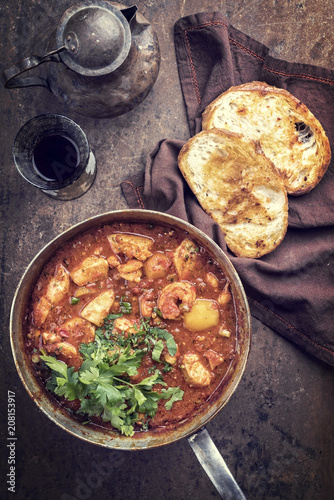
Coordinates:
(276, 433)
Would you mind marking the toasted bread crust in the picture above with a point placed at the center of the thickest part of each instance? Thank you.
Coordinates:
(289, 133)
(239, 187)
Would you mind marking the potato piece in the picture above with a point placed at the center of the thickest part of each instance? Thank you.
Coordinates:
(131, 245)
(92, 269)
(204, 314)
(58, 286)
(194, 372)
(98, 308)
(157, 266)
(79, 328)
(186, 259)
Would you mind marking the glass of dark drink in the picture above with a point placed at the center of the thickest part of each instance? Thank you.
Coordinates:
(52, 153)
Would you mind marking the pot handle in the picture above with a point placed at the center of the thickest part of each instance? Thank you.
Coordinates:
(11, 75)
(214, 465)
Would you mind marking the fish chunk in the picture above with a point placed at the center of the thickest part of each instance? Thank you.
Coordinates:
(92, 269)
(51, 338)
(214, 359)
(131, 245)
(131, 270)
(41, 310)
(114, 260)
(58, 286)
(126, 325)
(98, 308)
(194, 372)
(186, 259)
(78, 328)
(66, 352)
(57, 289)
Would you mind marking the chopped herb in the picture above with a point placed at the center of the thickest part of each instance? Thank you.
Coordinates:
(74, 300)
(157, 350)
(125, 305)
(167, 368)
(157, 312)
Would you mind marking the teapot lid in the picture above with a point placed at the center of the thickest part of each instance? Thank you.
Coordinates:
(97, 37)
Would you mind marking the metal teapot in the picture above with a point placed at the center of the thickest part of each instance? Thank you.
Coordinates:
(102, 60)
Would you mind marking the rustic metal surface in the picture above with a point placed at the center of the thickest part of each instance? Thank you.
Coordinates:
(276, 433)
(79, 69)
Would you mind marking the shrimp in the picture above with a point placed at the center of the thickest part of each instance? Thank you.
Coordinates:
(147, 303)
(131, 245)
(171, 296)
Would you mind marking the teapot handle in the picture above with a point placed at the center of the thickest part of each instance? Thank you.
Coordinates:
(11, 75)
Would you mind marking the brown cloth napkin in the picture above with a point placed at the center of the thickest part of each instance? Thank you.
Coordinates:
(292, 289)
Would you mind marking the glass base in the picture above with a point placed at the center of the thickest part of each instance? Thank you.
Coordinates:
(78, 187)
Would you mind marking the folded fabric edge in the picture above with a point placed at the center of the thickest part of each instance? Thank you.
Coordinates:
(133, 189)
(288, 331)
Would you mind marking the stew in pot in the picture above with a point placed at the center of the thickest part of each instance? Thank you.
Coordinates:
(132, 327)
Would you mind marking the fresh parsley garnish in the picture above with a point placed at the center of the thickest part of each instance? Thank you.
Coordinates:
(103, 382)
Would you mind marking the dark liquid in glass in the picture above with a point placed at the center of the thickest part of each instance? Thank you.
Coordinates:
(55, 158)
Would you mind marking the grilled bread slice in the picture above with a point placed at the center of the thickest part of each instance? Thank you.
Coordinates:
(290, 136)
(239, 187)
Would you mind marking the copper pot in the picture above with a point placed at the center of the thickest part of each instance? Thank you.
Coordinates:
(198, 438)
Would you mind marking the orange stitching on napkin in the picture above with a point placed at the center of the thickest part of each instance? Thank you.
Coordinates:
(141, 201)
(283, 73)
(137, 193)
(307, 77)
(245, 49)
(193, 71)
(250, 52)
(204, 25)
(191, 63)
(291, 327)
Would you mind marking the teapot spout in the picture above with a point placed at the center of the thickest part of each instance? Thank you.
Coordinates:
(129, 12)
(136, 26)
